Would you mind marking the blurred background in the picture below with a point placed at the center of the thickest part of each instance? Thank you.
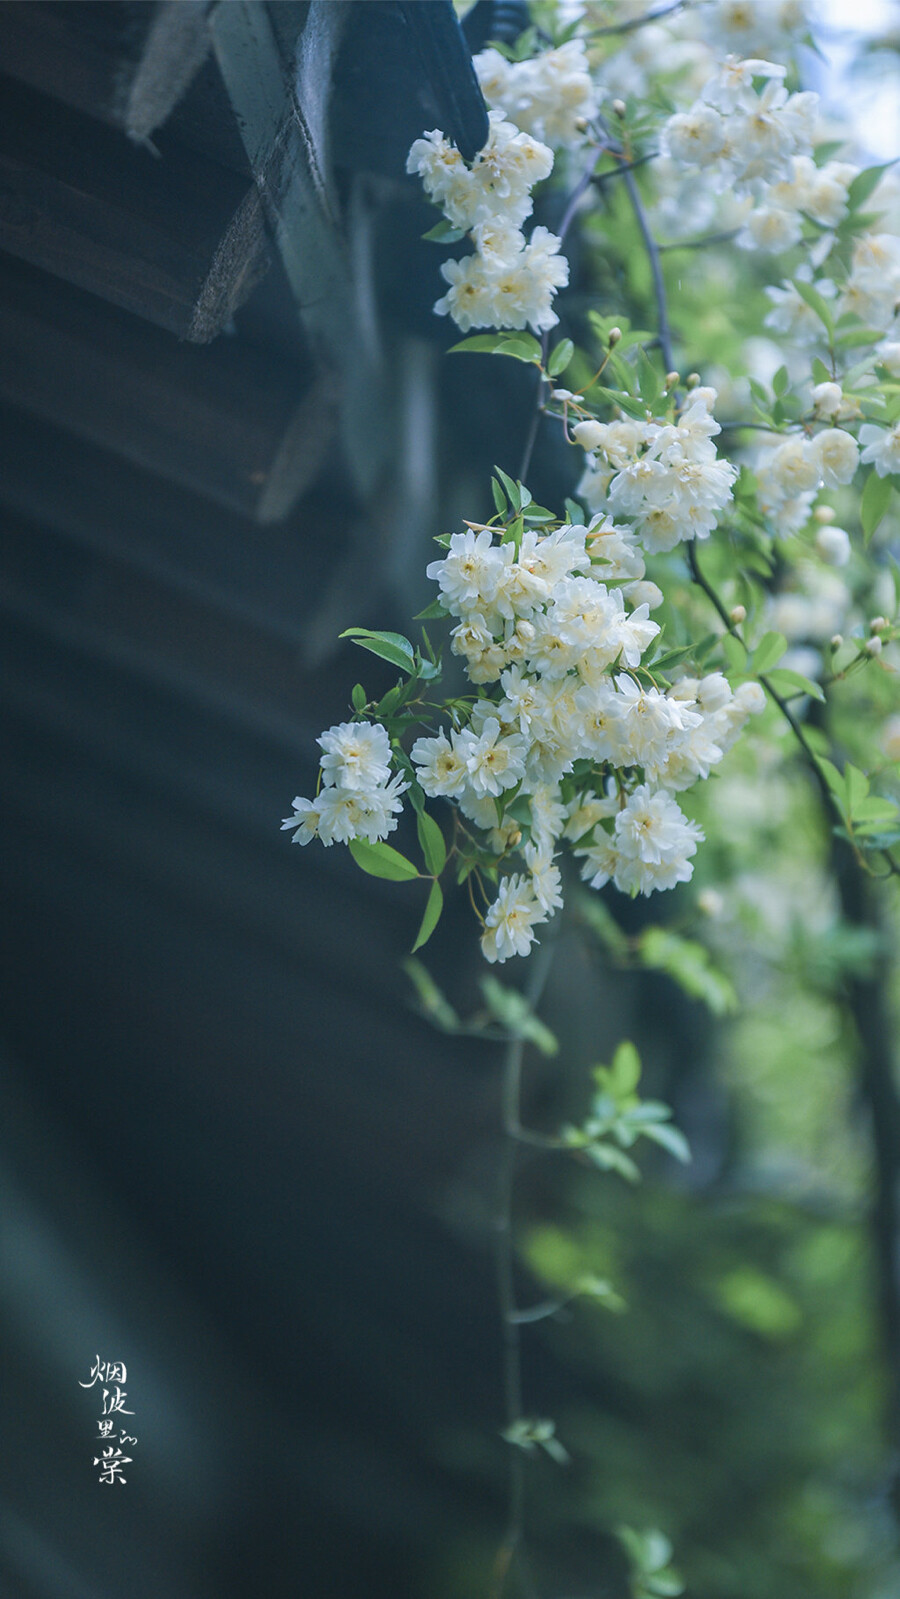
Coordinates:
(233, 1154)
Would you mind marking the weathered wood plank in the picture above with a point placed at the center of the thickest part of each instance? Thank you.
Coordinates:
(227, 420)
(128, 62)
(180, 240)
(278, 78)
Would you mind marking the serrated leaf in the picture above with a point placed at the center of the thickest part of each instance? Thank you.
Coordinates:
(433, 907)
(770, 649)
(876, 497)
(432, 841)
(787, 683)
(380, 860)
(559, 357)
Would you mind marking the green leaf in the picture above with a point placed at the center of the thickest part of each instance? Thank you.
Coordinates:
(512, 1010)
(559, 357)
(820, 371)
(608, 1158)
(499, 497)
(432, 841)
(670, 1138)
(433, 907)
(575, 512)
(788, 683)
(391, 647)
(770, 649)
(856, 787)
(864, 184)
(816, 303)
(689, 964)
(433, 1003)
(380, 860)
(432, 611)
(478, 344)
(358, 698)
(444, 233)
(780, 381)
(512, 489)
(625, 1072)
(648, 378)
(876, 497)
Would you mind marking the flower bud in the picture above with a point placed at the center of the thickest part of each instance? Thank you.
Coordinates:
(737, 615)
(589, 434)
(693, 378)
(874, 645)
(878, 624)
(824, 513)
(615, 335)
(619, 108)
(672, 380)
(837, 640)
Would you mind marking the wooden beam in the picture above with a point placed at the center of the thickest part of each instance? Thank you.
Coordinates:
(178, 240)
(229, 421)
(126, 63)
(277, 65)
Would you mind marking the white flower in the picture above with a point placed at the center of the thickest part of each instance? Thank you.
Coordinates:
(836, 454)
(882, 448)
(793, 468)
(833, 544)
(499, 182)
(493, 762)
(772, 228)
(440, 767)
(654, 842)
(357, 755)
(827, 399)
(345, 815)
(470, 573)
(695, 137)
(305, 819)
(888, 353)
(509, 923)
(550, 95)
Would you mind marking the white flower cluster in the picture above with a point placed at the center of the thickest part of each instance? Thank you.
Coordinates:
(358, 798)
(664, 478)
(509, 282)
(872, 289)
(550, 96)
(792, 472)
(544, 620)
(757, 144)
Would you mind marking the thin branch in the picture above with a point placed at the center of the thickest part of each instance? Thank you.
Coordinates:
(641, 21)
(699, 244)
(659, 286)
(511, 1547)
